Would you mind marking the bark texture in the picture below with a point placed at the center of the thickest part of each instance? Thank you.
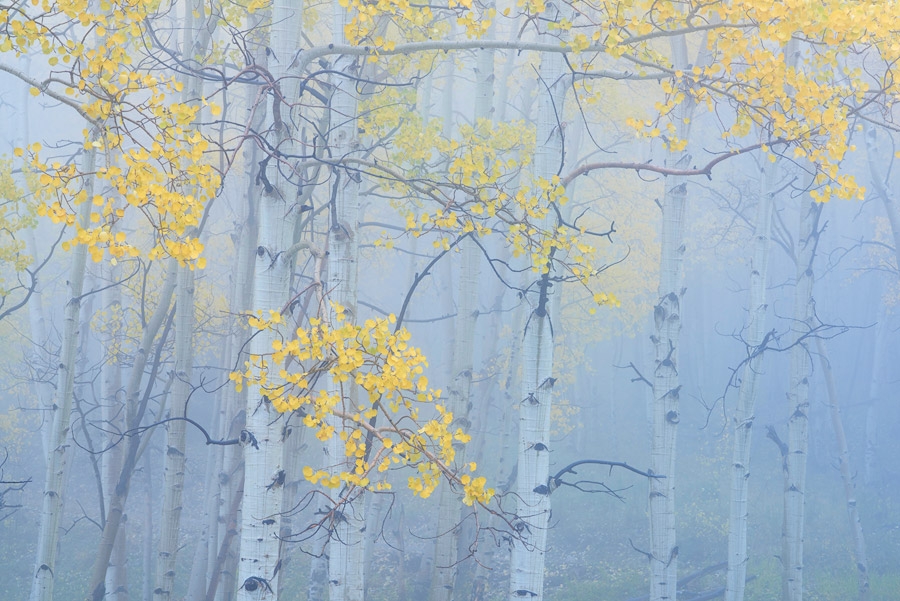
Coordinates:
(798, 402)
(60, 416)
(533, 495)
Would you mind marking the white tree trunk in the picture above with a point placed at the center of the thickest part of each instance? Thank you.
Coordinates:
(207, 541)
(113, 414)
(870, 463)
(458, 401)
(174, 461)
(533, 498)
(147, 543)
(51, 508)
(744, 411)
(134, 445)
(892, 209)
(856, 529)
(38, 324)
(446, 560)
(665, 380)
(346, 562)
(262, 436)
(235, 402)
(798, 399)
(196, 39)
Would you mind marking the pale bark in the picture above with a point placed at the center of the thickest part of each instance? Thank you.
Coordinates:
(113, 414)
(798, 399)
(473, 578)
(262, 438)
(376, 507)
(458, 402)
(892, 209)
(233, 412)
(665, 380)
(38, 325)
(870, 455)
(37, 319)
(346, 561)
(856, 529)
(135, 406)
(294, 445)
(174, 461)
(52, 504)
(207, 541)
(744, 416)
(225, 459)
(197, 36)
(446, 558)
(533, 498)
(147, 543)
(223, 574)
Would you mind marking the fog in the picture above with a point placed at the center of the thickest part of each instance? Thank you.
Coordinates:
(467, 302)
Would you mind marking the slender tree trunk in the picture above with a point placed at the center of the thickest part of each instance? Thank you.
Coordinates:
(892, 209)
(744, 416)
(113, 413)
(458, 402)
(401, 556)
(197, 36)
(174, 461)
(870, 467)
(376, 506)
(262, 436)
(346, 561)
(52, 505)
(38, 324)
(533, 498)
(223, 577)
(37, 317)
(294, 446)
(446, 558)
(856, 530)
(234, 402)
(798, 398)
(200, 565)
(147, 547)
(665, 380)
(473, 574)
(135, 406)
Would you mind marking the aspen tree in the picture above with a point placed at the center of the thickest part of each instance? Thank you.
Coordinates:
(736, 574)
(52, 504)
(856, 530)
(262, 439)
(533, 496)
(113, 415)
(459, 397)
(666, 341)
(135, 407)
(197, 35)
(346, 562)
(798, 401)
